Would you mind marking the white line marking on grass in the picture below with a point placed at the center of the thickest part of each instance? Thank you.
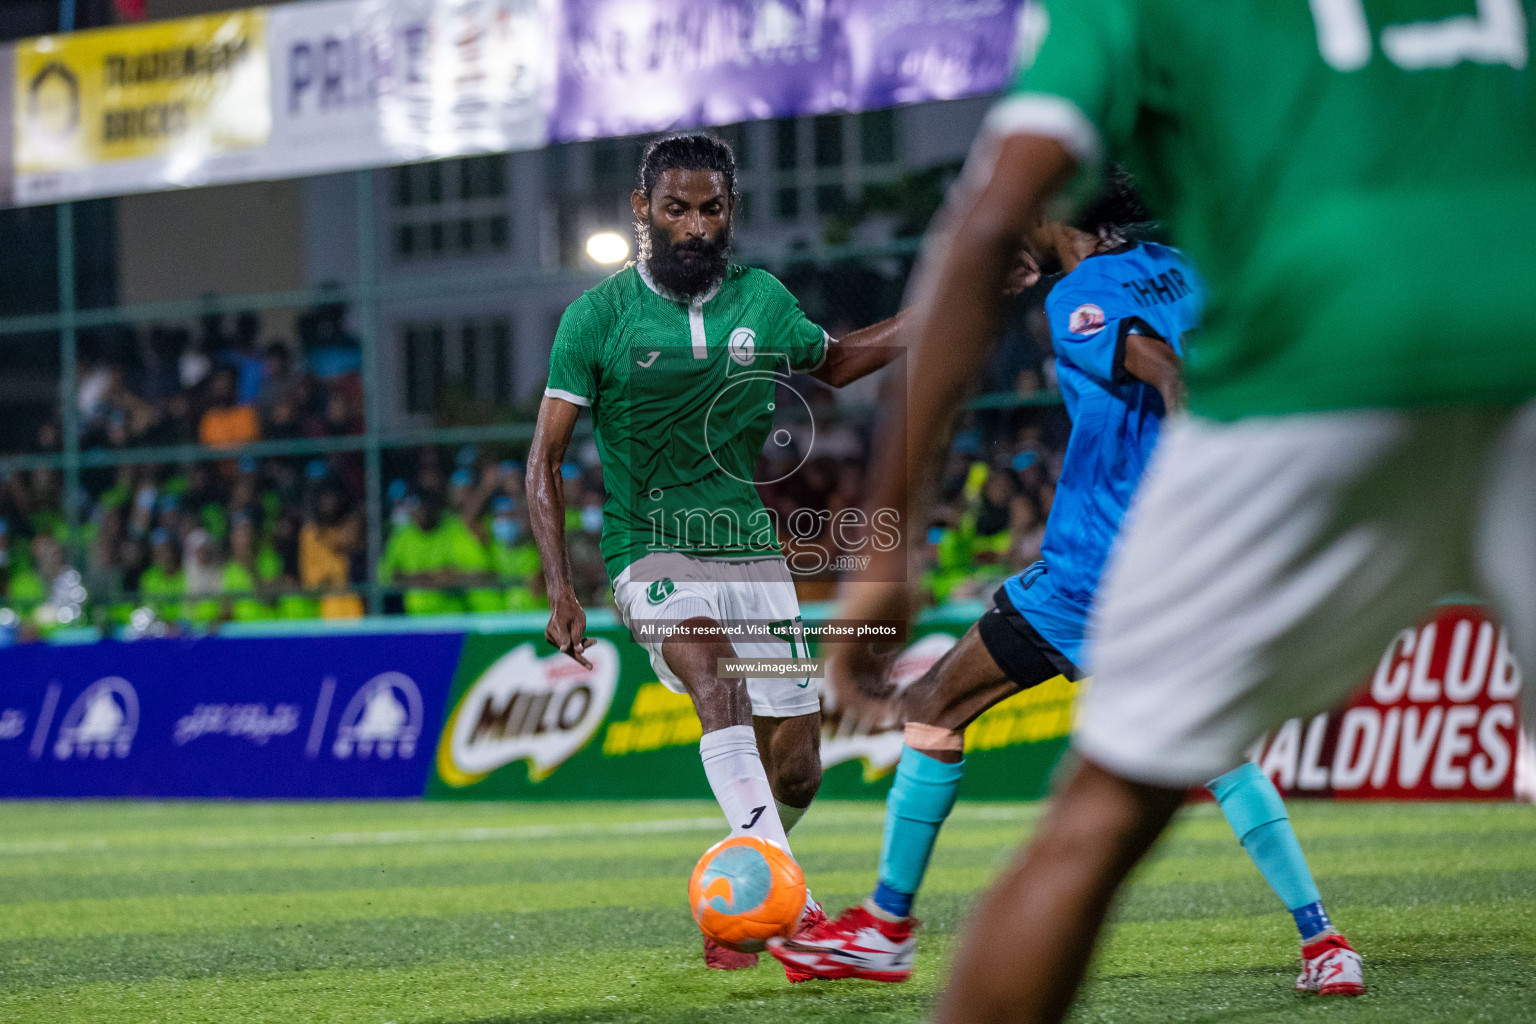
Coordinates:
(481, 834)
(385, 837)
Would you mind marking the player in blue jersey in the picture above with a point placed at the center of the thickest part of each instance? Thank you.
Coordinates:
(1117, 319)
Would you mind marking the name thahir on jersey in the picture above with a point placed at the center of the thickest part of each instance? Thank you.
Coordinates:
(1169, 286)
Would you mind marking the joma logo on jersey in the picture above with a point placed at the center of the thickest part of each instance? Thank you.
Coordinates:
(743, 346)
(660, 590)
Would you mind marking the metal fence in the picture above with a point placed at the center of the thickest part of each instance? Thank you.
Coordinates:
(836, 282)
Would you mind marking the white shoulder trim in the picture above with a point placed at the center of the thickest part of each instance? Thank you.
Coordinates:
(1036, 113)
(826, 339)
(567, 396)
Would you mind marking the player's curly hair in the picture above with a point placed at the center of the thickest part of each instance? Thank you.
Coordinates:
(1118, 208)
(690, 151)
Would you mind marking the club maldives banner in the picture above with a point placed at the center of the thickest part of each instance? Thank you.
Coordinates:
(1438, 719)
(330, 85)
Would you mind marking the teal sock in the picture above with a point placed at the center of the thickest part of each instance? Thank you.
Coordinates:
(1257, 815)
(920, 800)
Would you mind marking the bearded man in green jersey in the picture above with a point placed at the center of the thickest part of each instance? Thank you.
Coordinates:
(681, 357)
(1361, 433)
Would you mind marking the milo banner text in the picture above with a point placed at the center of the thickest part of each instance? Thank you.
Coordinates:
(527, 722)
(1438, 719)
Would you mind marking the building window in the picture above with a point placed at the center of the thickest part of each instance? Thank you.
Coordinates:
(501, 361)
(740, 140)
(425, 371)
(452, 357)
(787, 203)
(877, 137)
(496, 231)
(450, 208)
(827, 131)
(786, 135)
(829, 200)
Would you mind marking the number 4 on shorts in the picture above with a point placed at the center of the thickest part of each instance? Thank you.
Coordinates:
(792, 632)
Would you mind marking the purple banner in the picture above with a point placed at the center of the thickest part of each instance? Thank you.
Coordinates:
(631, 66)
(323, 716)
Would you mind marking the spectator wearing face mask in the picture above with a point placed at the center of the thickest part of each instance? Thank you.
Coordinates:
(514, 559)
(589, 576)
(420, 556)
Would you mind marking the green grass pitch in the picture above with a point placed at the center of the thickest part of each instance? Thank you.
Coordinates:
(479, 913)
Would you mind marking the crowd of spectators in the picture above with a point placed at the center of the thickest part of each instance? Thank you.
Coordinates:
(201, 543)
(191, 545)
(221, 384)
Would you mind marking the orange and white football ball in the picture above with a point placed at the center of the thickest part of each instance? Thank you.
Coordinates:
(744, 891)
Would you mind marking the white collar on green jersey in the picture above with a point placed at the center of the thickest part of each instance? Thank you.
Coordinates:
(671, 296)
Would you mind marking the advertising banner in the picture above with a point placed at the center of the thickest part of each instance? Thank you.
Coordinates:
(330, 85)
(1437, 720)
(527, 722)
(117, 110)
(629, 66)
(370, 83)
(301, 717)
(502, 715)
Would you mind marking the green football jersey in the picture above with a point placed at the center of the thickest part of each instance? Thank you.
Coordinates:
(682, 397)
(1355, 179)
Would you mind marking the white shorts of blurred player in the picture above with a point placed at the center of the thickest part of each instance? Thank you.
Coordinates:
(1266, 563)
(670, 587)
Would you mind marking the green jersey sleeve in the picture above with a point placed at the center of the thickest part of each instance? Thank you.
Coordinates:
(1079, 79)
(573, 358)
(794, 335)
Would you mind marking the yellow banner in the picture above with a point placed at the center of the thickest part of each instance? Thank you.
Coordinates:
(195, 87)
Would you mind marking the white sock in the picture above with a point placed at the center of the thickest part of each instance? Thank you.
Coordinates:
(736, 774)
(790, 816)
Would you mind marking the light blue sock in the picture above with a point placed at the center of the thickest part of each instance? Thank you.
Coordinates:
(1257, 814)
(920, 800)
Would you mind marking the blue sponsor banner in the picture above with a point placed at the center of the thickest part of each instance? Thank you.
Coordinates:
(274, 717)
(630, 66)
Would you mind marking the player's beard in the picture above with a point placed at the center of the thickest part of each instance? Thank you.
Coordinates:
(689, 268)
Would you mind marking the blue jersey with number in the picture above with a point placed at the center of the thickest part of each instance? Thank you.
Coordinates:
(1137, 288)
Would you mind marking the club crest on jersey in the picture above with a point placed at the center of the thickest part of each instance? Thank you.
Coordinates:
(660, 590)
(743, 346)
(1086, 319)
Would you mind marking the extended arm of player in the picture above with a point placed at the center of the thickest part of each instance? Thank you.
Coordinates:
(1151, 359)
(958, 306)
(567, 627)
(862, 352)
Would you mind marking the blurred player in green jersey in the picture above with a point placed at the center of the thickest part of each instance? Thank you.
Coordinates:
(1357, 184)
(681, 357)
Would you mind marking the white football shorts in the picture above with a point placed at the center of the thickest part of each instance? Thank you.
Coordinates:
(1266, 563)
(671, 587)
